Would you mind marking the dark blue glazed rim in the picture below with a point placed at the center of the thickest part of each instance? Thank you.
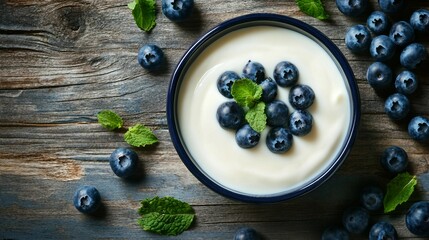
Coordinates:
(261, 19)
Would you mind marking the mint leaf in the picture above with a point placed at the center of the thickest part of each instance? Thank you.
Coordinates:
(399, 189)
(144, 13)
(245, 92)
(110, 119)
(167, 215)
(256, 117)
(140, 136)
(312, 8)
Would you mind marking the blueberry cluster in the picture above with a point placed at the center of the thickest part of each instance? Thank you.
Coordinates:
(231, 115)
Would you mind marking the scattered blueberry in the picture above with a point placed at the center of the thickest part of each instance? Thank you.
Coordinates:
(382, 48)
(246, 137)
(150, 57)
(383, 230)
(286, 74)
(379, 76)
(300, 123)
(246, 233)
(352, 8)
(401, 33)
(406, 82)
(87, 199)
(254, 71)
(418, 128)
(279, 140)
(358, 38)
(394, 159)
(123, 162)
(378, 22)
(177, 10)
(372, 198)
(390, 6)
(225, 81)
(230, 115)
(277, 113)
(269, 90)
(301, 96)
(356, 219)
(420, 20)
(417, 218)
(397, 106)
(335, 233)
(412, 55)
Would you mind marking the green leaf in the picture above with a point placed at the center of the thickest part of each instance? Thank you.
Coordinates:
(246, 93)
(256, 117)
(167, 215)
(144, 13)
(313, 8)
(140, 136)
(110, 120)
(399, 190)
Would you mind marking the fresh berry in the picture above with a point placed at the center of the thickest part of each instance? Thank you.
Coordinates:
(378, 22)
(269, 90)
(150, 57)
(372, 198)
(412, 55)
(352, 8)
(406, 82)
(277, 113)
(420, 20)
(300, 123)
(418, 128)
(123, 162)
(401, 33)
(230, 115)
(383, 230)
(177, 10)
(279, 140)
(390, 6)
(397, 106)
(382, 48)
(246, 233)
(225, 81)
(246, 137)
(356, 219)
(358, 38)
(417, 218)
(394, 159)
(335, 233)
(379, 76)
(254, 71)
(87, 199)
(301, 96)
(286, 74)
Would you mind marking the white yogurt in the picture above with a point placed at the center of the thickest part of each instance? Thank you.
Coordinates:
(258, 171)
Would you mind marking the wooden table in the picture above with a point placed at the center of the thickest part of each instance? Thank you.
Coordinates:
(61, 62)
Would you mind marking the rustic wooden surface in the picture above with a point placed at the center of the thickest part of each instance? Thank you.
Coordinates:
(61, 62)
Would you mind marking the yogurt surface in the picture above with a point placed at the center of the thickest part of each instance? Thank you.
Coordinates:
(257, 171)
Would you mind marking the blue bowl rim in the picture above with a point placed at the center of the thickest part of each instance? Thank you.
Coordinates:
(246, 19)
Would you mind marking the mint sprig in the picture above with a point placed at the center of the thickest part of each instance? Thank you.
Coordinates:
(144, 13)
(399, 190)
(256, 117)
(313, 8)
(110, 119)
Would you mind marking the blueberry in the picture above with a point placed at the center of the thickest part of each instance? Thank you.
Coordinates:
(230, 115)
(246, 137)
(335, 233)
(371, 198)
(150, 57)
(378, 22)
(418, 128)
(379, 76)
(352, 8)
(277, 113)
(406, 82)
(301, 96)
(177, 10)
(225, 81)
(397, 106)
(390, 6)
(401, 33)
(123, 162)
(300, 122)
(412, 55)
(246, 233)
(356, 219)
(383, 230)
(279, 140)
(269, 90)
(420, 20)
(394, 159)
(417, 218)
(382, 48)
(254, 71)
(87, 199)
(286, 74)
(358, 38)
